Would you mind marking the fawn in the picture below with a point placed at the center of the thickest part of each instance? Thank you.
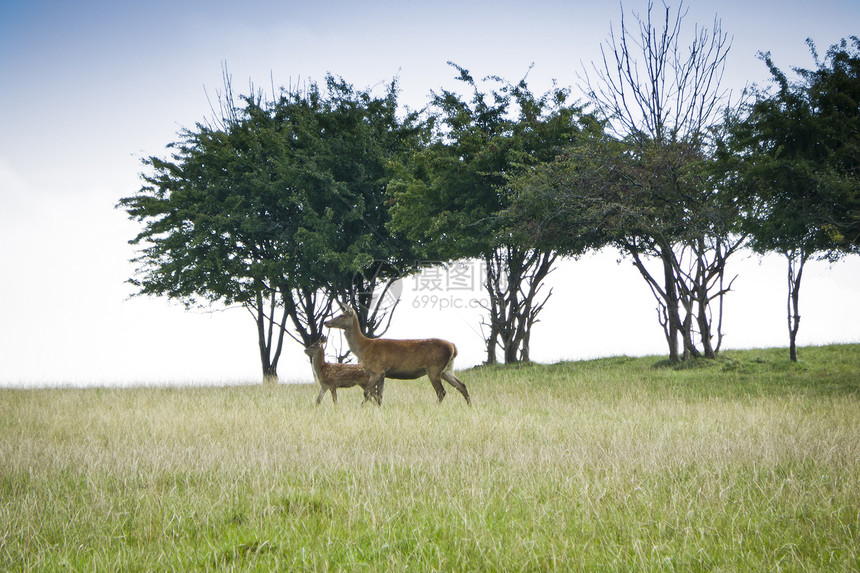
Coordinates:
(333, 376)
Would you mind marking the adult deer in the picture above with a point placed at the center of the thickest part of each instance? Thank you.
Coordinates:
(400, 359)
(333, 376)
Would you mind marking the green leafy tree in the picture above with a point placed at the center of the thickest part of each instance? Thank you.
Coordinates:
(214, 215)
(834, 92)
(450, 198)
(794, 153)
(347, 140)
(276, 207)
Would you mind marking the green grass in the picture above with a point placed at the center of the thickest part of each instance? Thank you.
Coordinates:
(749, 463)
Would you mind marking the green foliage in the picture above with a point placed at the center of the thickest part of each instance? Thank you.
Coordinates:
(565, 205)
(290, 194)
(210, 214)
(747, 462)
(278, 204)
(452, 195)
(356, 138)
(637, 198)
(795, 152)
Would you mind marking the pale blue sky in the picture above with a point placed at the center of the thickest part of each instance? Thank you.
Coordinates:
(88, 88)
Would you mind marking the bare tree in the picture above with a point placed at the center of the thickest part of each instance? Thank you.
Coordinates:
(660, 96)
(670, 94)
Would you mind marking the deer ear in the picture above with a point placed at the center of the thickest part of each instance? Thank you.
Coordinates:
(322, 340)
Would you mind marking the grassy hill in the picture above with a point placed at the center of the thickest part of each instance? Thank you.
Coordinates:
(749, 462)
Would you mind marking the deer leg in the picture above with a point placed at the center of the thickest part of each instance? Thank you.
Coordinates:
(321, 394)
(456, 383)
(379, 388)
(370, 391)
(334, 394)
(437, 385)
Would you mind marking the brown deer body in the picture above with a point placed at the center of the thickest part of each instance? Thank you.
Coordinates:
(333, 376)
(400, 359)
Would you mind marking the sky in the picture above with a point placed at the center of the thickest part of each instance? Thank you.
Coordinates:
(90, 88)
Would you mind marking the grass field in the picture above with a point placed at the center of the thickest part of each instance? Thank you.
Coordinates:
(747, 463)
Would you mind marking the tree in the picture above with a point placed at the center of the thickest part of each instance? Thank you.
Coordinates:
(347, 141)
(834, 88)
(449, 199)
(793, 153)
(660, 99)
(213, 214)
(274, 206)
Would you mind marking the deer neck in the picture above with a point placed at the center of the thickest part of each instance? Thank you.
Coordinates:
(318, 360)
(355, 339)
(317, 363)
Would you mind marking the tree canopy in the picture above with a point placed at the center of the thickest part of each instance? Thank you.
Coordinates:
(328, 194)
(277, 205)
(451, 197)
(793, 153)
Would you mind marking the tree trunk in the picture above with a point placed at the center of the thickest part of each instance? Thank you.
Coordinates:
(795, 273)
(270, 351)
(263, 342)
(691, 281)
(672, 306)
(700, 292)
(374, 294)
(492, 339)
(664, 316)
(538, 265)
(705, 327)
(270, 375)
(306, 308)
(513, 281)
